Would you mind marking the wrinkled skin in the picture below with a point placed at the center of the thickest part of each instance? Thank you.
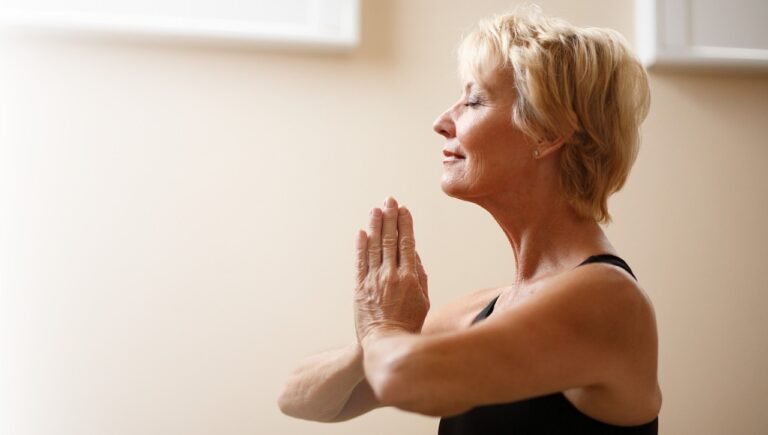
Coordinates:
(391, 285)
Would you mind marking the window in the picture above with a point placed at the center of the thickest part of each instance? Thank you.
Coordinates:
(703, 33)
(327, 24)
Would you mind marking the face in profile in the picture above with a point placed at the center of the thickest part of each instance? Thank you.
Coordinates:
(485, 154)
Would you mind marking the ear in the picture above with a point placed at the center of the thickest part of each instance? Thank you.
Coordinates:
(548, 147)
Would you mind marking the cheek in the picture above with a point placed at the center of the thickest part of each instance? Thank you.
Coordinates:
(473, 135)
(485, 148)
(498, 157)
(491, 143)
(487, 132)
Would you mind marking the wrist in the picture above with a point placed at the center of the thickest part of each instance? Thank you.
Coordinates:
(381, 332)
(355, 354)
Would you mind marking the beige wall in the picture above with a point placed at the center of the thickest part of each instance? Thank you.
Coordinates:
(176, 223)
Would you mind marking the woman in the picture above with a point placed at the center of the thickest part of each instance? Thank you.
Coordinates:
(545, 131)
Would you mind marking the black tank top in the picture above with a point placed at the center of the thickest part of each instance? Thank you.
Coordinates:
(552, 414)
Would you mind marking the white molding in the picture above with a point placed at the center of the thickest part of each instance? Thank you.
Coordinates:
(663, 35)
(331, 25)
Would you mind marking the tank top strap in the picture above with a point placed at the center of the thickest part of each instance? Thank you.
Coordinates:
(611, 259)
(486, 311)
(600, 258)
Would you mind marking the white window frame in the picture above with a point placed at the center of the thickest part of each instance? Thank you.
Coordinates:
(331, 25)
(662, 30)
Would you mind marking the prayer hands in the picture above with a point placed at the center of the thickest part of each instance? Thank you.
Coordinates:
(391, 288)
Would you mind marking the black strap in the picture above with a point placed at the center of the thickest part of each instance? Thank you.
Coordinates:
(486, 311)
(609, 258)
(600, 258)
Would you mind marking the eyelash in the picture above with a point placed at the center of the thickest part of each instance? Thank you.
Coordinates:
(473, 103)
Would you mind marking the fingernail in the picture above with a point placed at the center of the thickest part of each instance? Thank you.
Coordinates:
(390, 202)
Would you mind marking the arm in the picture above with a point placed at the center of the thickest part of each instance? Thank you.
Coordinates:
(587, 330)
(329, 387)
(332, 386)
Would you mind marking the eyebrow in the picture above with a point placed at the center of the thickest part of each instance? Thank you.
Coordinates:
(480, 89)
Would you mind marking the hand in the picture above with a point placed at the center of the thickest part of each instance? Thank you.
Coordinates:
(391, 289)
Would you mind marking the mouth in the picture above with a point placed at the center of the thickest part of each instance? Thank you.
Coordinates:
(452, 156)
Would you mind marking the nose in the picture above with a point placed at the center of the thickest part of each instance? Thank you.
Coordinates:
(444, 125)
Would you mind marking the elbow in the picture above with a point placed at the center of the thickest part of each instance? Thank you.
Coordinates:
(290, 408)
(284, 407)
(289, 405)
(285, 403)
(292, 404)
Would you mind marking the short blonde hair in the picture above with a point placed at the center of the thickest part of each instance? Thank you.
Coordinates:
(582, 85)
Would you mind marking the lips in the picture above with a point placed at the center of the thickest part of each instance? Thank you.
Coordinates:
(451, 154)
(452, 157)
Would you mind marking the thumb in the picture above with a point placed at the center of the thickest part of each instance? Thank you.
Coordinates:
(423, 280)
(361, 256)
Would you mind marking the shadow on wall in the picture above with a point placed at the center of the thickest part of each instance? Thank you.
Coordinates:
(711, 75)
(730, 96)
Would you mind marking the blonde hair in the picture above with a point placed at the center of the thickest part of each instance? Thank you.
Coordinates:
(581, 85)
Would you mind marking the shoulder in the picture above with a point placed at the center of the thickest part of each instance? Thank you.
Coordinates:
(459, 313)
(587, 332)
(590, 333)
(610, 304)
(607, 301)
(612, 294)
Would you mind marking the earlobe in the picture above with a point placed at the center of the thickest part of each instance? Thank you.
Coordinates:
(545, 147)
(542, 149)
(549, 148)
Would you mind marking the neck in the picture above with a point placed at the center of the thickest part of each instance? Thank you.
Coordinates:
(547, 236)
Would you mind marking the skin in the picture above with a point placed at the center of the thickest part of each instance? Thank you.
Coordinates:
(589, 332)
(583, 328)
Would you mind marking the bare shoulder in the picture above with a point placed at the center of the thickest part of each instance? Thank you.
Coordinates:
(459, 313)
(613, 287)
(630, 393)
(616, 294)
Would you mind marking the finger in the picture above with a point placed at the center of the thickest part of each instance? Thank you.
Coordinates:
(423, 279)
(389, 234)
(406, 241)
(361, 257)
(374, 239)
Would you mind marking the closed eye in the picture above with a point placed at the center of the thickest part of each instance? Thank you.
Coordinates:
(474, 101)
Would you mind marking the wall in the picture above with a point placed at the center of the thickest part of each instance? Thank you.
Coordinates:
(176, 223)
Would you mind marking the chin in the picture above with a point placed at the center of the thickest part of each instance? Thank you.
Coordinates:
(454, 188)
(468, 189)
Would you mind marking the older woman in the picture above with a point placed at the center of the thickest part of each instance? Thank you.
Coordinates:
(545, 131)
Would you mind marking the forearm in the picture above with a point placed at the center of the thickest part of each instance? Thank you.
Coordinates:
(385, 356)
(412, 372)
(321, 386)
